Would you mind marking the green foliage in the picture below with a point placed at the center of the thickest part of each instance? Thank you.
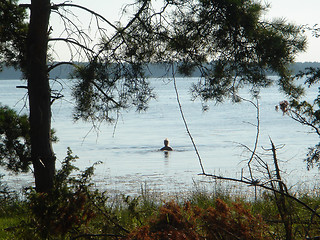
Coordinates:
(13, 32)
(66, 210)
(307, 113)
(66, 214)
(235, 45)
(104, 88)
(12, 210)
(10, 204)
(15, 146)
(226, 40)
(14, 140)
(135, 211)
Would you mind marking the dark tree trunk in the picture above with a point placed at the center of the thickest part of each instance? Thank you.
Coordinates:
(42, 154)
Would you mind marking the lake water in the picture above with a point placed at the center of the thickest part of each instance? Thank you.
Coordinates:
(129, 151)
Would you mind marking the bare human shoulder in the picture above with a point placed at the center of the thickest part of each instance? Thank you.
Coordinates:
(166, 146)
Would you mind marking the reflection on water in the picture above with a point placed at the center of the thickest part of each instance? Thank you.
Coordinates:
(166, 155)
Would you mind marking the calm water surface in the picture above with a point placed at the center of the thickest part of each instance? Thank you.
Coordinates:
(129, 150)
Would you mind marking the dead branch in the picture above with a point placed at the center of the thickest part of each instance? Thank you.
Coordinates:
(122, 30)
(184, 120)
(59, 64)
(262, 185)
(299, 118)
(72, 41)
(256, 105)
(69, 24)
(281, 201)
(136, 16)
(86, 9)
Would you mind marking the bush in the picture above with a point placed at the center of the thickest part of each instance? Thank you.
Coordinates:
(221, 222)
(224, 222)
(15, 142)
(172, 222)
(65, 211)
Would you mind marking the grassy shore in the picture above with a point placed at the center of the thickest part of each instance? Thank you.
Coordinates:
(199, 214)
(74, 209)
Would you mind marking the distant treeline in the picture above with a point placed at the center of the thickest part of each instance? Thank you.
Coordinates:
(153, 70)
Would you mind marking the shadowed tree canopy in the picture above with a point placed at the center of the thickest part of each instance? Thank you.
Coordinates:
(227, 40)
(13, 32)
(15, 146)
(14, 140)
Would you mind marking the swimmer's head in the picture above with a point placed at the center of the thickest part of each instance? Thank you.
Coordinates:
(166, 142)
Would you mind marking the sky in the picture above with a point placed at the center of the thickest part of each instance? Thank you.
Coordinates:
(300, 12)
(294, 11)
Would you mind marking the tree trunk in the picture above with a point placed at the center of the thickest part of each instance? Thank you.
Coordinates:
(42, 154)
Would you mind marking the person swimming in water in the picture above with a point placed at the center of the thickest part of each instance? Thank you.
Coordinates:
(166, 146)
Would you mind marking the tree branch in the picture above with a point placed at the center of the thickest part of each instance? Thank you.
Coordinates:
(299, 118)
(72, 42)
(25, 5)
(136, 16)
(121, 31)
(184, 120)
(104, 94)
(59, 64)
(262, 185)
(88, 10)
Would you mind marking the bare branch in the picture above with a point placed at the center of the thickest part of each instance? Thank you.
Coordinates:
(67, 22)
(59, 64)
(72, 42)
(184, 120)
(256, 105)
(262, 185)
(299, 118)
(25, 5)
(88, 10)
(122, 30)
(136, 16)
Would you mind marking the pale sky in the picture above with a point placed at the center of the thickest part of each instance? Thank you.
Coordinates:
(294, 11)
(300, 12)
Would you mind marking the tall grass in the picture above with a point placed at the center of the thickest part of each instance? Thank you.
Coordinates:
(124, 215)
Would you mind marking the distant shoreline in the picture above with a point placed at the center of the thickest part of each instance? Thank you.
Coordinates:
(154, 71)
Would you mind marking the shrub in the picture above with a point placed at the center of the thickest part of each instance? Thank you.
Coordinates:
(66, 210)
(172, 222)
(221, 222)
(224, 222)
(15, 142)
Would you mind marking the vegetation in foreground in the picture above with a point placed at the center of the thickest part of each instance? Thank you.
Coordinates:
(75, 211)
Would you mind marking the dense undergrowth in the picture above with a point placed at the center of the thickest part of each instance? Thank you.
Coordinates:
(74, 210)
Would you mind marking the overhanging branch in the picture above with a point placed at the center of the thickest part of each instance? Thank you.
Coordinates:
(86, 9)
(72, 42)
(59, 64)
(299, 118)
(104, 94)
